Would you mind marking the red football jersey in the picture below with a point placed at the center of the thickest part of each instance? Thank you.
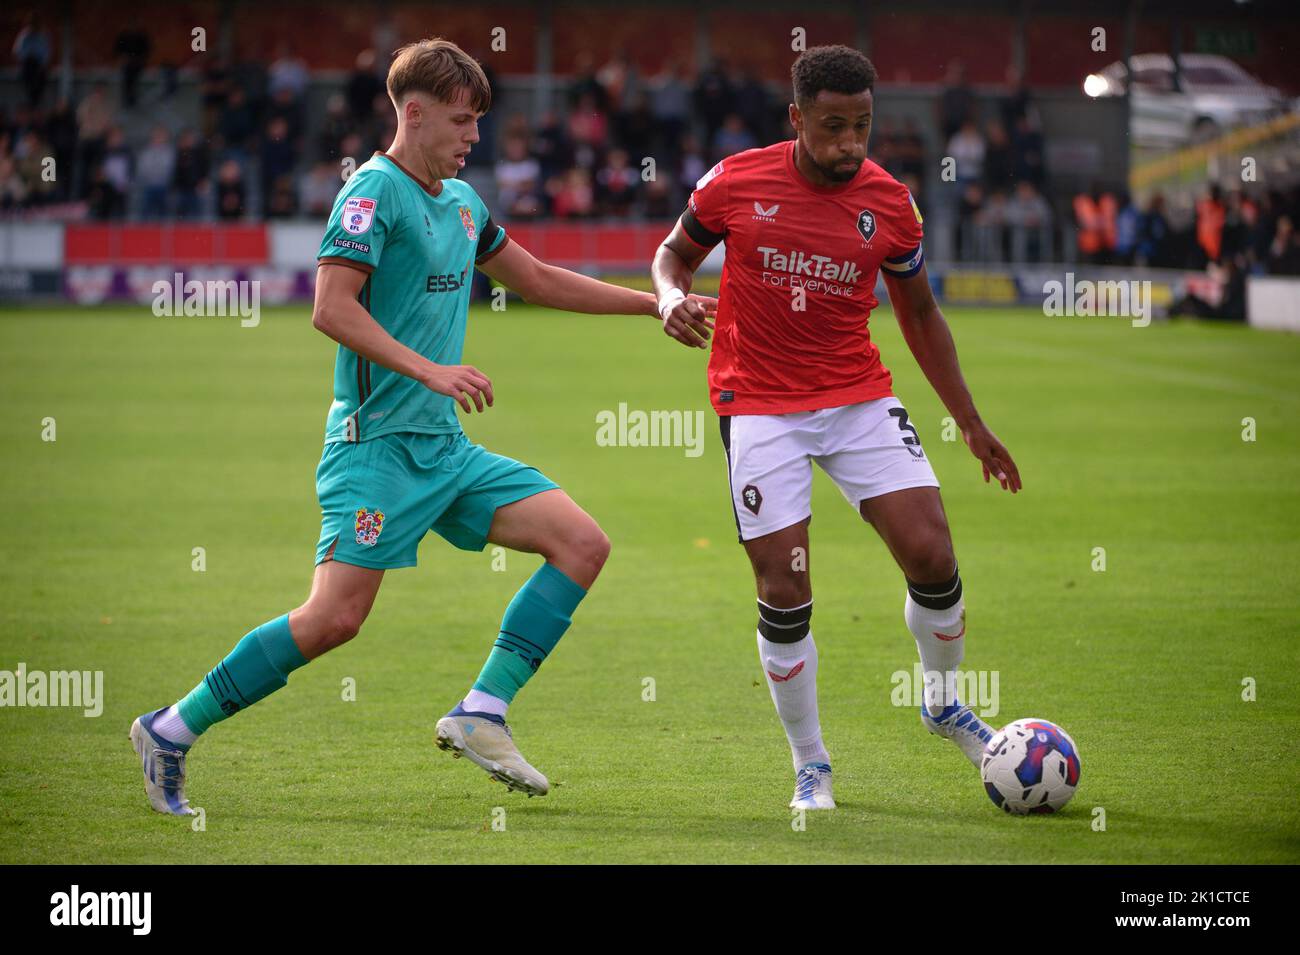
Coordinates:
(784, 233)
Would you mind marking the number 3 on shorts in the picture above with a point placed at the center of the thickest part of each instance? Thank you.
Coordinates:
(912, 440)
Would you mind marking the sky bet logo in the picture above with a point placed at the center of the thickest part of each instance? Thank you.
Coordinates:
(447, 282)
(103, 908)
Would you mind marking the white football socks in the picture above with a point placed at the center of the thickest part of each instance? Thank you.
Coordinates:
(791, 673)
(941, 640)
(476, 701)
(169, 725)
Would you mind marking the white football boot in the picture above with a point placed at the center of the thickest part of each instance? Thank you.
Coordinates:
(486, 740)
(812, 788)
(959, 723)
(163, 763)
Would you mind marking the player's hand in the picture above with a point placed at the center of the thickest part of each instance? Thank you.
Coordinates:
(993, 455)
(691, 320)
(465, 383)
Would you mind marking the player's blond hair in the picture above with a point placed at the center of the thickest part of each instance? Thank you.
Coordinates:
(441, 69)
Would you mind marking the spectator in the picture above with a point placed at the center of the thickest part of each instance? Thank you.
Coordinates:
(117, 168)
(364, 84)
(1029, 218)
(550, 145)
(1153, 235)
(94, 117)
(967, 148)
(132, 47)
(287, 74)
(61, 134)
(714, 99)
(317, 189)
(732, 137)
(238, 122)
(1127, 227)
(155, 172)
(32, 51)
(335, 126)
(13, 193)
(999, 160)
(1027, 145)
(231, 192)
(30, 159)
(956, 102)
(670, 104)
(1094, 218)
(214, 92)
(617, 184)
(571, 195)
(1284, 251)
(1210, 215)
(278, 157)
(517, 177)
(190, 175)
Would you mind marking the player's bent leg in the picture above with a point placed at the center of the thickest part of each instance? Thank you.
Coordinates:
(260, 664)
(788, 656)
(575, 549)
(914, 528)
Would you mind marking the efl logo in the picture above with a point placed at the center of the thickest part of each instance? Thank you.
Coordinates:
(103, 908)
(358, 214)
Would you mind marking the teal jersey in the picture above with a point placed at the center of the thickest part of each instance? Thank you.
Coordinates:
(419, 246)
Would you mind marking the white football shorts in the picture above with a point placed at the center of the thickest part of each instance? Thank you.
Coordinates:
(868, 449)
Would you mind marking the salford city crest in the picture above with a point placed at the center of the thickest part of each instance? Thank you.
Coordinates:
(467, 220)
(867, 224)
(370, 524)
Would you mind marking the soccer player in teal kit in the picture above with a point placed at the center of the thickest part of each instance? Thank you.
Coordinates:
(392, 288)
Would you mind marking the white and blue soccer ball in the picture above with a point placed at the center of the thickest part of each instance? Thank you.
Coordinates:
(1030, 766)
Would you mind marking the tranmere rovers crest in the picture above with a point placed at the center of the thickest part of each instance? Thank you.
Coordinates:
(467, 220)
(370, 524)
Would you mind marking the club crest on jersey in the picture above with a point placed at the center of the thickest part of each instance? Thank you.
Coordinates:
(751, 497)
(867, 224)
(358, 214)
(370, 524)
(467, 220)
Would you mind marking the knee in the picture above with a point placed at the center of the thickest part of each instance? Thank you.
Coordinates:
(782, 591)
(932, 564)
(341, 625)
(591, 546)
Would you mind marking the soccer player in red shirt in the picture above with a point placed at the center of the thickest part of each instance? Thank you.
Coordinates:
(795, 378)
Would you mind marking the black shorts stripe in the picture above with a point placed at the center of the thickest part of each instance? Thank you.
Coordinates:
(724, 424)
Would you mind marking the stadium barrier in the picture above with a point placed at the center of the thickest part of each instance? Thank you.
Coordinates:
(1273, 302)
(93, 263)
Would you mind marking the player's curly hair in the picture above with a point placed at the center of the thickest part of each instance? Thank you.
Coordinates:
(440, 68)
(837, 68)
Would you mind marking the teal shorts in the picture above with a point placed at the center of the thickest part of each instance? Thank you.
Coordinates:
(378, 498)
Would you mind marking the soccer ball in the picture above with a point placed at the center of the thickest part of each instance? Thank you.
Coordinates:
(1031, 765)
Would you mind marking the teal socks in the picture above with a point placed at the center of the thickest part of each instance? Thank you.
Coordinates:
(533, 623)
(258, 666)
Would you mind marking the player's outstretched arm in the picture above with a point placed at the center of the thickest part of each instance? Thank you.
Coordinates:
(542, 284)
(339, 315)
(930, 339)
(673, 271)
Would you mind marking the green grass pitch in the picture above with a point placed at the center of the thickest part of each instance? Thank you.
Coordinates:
(180, 433)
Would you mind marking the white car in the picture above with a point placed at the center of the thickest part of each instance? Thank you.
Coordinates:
(1214, 95)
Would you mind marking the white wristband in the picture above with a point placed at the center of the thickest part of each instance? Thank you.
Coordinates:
(672, 298)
